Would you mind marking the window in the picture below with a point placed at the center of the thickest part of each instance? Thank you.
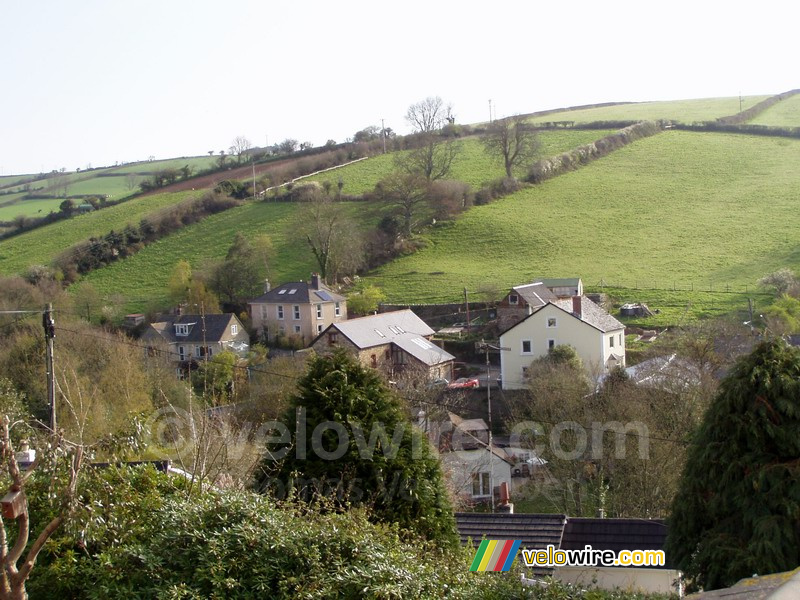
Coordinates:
(551, 344)
(181, 329)
(374, 360)
(620, 339)
(297, 328)
(333, 337)
(337, 310)
(513, 299)
(234, 329)
(319, 311)
(280, 311)
(263, 312)
(480, 484)
(611, 341)
(319, 328)
(281, 292)
(551, 322)
(181, 352)
(527, 347)
(296, 312)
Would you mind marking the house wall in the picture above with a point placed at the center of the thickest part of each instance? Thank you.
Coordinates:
(591, 345)
(649, 581)
(382, 354)
(460, 465)
(265, 316)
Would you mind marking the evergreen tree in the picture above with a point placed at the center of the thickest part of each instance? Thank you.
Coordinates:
(353, 445)
(737, 511)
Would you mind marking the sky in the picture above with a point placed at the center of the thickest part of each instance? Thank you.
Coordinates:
(100, 82)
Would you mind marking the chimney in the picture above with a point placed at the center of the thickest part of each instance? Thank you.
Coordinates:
(315, 281)
(267, 286)
(576, 306)
(505, 505)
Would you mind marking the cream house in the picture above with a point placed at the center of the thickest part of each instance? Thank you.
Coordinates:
(474, 473)
(297, 309)
(598, 338)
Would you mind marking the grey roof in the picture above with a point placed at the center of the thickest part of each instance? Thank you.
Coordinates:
(614, 534)
(202, 328)
(559, 281)
(775, 585)
(592, 314)
(400, 327)
(535, 294)
(298, 292)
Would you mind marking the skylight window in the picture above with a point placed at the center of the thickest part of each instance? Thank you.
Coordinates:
(292, 291)
(380, 333)
(282, 292)
(422, 343)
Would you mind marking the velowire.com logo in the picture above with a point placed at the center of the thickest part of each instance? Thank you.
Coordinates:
(495, 555)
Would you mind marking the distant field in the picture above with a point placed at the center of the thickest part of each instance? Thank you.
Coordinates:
(678, 208)
(10, 180)
(41, 245)
(142, 278)
(785, 113)
(196, 162)
(30, 208)
(685, 111)
(472, 165)
(115, 187)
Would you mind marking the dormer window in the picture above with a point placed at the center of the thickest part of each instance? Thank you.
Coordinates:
(181, 329)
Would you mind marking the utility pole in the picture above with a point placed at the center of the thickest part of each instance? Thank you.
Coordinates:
(254, 177)
(466, 302)
(490, 110)
(486, 347)
(383, 135)
(49, 327)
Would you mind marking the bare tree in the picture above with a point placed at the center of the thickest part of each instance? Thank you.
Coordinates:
(429, 115)
(433, 154)
(407, 193)
(513, 140)
(239, 147)
(337, 245)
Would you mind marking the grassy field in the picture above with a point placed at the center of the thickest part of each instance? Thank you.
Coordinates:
(685, 111)
(15, 204)
(41, 245)
(197, 163)
(472, 165)
(785, 113)
(678, 209)
(114, 187)
(210, 240)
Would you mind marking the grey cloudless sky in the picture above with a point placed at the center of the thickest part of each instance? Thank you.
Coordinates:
(94, 82)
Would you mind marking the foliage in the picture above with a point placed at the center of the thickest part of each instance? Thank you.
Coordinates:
(782, 281)
(213, 378)
(512, 141)
(240, 275)
(385, 463)
(737, 511)
(783, 316)
(365, 300)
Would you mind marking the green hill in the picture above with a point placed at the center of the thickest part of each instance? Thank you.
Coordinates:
(785, 113)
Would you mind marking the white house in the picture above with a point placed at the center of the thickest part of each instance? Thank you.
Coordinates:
(475, 472)
(598, 338)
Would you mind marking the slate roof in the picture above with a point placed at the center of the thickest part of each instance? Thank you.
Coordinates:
(535, 531)
(592, 314)
(560, 281)
(535, 294)
(614, 534)
(298, 292)
(216, 327)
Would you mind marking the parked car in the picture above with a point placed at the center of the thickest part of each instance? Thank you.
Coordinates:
(463, 383)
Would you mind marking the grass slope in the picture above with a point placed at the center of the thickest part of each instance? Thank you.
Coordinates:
(785, 113)
(142, 278)
(685, 111)
(472, 165)
(41, 245)
(680, 208)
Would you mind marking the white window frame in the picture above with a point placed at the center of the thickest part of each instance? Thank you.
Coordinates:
(280, 312)
(319, 311)
(234, 329)
(551, 344)
(296, 312)
(297, 329)
(337, 310)
(554, 321)
(181, 329)
(320, 327)
(181, 353)
(522, 347)
(611, 341)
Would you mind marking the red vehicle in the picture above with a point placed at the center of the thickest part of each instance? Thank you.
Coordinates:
(463, 383)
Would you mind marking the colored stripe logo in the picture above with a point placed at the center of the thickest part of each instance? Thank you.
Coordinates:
(495, 555)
